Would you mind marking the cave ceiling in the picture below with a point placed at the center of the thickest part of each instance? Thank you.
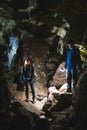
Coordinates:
(75, 11)
(70, 9)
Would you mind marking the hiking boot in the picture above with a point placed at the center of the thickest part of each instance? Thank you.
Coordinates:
(34, 101)
(27, 100)
(68, 90)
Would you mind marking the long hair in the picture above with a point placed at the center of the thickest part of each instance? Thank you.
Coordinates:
(26, 60)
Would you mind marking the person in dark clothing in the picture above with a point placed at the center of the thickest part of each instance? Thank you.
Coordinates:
(73, 64)
(27, 76)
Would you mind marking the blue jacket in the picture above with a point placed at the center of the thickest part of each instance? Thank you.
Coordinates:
(73, 58)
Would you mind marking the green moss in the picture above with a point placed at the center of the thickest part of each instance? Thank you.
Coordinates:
(83, 51)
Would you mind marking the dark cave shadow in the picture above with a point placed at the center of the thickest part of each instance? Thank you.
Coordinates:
(20, 86)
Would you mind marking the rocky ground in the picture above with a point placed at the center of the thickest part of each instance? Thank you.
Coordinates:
(40, 108)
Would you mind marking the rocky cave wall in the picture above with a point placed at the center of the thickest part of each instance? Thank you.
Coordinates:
(16, 13)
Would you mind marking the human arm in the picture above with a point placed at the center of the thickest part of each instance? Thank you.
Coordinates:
(32, 75)
(79, 61)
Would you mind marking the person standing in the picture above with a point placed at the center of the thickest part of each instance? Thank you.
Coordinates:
(27, 76)
(73, 64)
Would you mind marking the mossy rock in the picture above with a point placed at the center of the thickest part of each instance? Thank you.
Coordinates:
(83, 51)
(80, 98)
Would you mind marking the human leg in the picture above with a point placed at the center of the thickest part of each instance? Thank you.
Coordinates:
(33, 91)
(68, 79)
(74, 78)
(27, 89)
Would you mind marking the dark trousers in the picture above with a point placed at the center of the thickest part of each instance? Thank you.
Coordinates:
(71, 77)
(31, 84)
